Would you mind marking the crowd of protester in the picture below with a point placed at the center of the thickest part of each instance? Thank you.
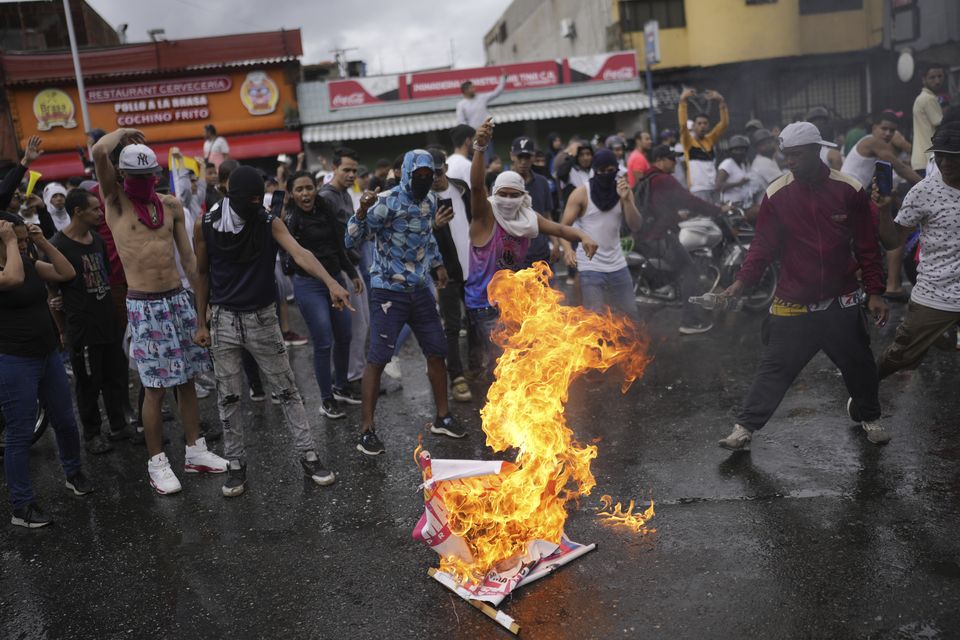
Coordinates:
(103, 277)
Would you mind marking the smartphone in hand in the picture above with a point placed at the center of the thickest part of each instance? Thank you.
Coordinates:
(883, 172)
(276, 203)
(444, 202)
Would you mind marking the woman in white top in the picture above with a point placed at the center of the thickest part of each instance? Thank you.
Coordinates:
(599, 208)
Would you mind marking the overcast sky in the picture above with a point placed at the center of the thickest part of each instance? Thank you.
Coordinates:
(390, 36)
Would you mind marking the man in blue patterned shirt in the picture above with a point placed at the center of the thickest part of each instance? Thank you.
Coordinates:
(401, 221)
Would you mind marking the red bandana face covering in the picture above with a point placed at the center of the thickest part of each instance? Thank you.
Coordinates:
(142, 193)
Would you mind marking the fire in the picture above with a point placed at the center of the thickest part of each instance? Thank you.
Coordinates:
(617, 515)
(546, 345)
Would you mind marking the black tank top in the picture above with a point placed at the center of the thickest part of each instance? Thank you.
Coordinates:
(241, 287)
(26, 326)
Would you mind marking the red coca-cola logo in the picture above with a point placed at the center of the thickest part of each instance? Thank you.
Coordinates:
(355, 99)
(623, 73)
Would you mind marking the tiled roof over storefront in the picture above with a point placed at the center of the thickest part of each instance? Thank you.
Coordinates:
(165, 56)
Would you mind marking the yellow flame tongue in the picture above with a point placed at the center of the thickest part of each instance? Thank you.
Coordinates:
(546, 346)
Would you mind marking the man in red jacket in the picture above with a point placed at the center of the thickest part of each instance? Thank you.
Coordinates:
(818, 223)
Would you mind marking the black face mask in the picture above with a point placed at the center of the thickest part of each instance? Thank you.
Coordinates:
(541, 170)
(420, 187)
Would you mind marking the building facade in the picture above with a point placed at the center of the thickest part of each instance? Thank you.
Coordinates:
(244, 85)
(772, 59)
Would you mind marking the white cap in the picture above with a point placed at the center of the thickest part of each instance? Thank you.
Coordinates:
(798, 134)
(138, 158)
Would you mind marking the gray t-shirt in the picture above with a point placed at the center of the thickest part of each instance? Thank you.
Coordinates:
(934, 206)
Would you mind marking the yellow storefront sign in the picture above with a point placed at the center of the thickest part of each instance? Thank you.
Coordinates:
(54, 108)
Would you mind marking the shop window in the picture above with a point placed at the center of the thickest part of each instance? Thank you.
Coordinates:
(840, 89)
(635, 13)
(810, 7)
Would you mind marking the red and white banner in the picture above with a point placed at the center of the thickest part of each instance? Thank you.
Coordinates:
(443, 84)
(359, 92)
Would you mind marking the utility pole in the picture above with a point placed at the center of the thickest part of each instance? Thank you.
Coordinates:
(651, 37)
(76, 68)
(339, 56)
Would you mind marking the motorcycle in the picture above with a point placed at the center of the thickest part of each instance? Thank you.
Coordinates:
(39, 426)
(718, 247)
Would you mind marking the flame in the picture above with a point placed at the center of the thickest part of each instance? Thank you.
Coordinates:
(546, 346)
(626, 517)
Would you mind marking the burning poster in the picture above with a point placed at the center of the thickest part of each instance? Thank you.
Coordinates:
(499, 525)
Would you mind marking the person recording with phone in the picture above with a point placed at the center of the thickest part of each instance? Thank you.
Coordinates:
(236, 245)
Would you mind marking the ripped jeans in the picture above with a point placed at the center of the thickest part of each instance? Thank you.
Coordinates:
(258, 332)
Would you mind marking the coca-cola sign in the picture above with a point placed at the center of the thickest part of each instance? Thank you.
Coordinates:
(358, 92)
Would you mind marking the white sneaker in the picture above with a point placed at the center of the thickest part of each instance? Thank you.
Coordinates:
(392, 368)
(202, 391)
(162, 478)
(738, 440)
(200, 460)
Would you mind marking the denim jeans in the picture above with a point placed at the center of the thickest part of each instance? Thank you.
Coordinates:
(258, 333)
(329, 329)
(24, 381)
(359, 330)
(614, 290)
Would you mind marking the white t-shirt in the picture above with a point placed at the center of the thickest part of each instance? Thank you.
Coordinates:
(216, 150)
(934, 206)
(766, 169)
(458, 167)
(741, 193)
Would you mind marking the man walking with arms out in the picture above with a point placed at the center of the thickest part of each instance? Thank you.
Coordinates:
(818, 223)
(236, 246)
(147, 228)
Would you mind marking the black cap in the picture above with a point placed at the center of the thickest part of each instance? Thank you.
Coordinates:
(663, 151)
(946, 139)
(522, 145)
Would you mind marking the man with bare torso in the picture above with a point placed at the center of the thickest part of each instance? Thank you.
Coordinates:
(146, 228)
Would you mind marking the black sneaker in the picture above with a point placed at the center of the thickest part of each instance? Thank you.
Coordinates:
(370, 444)
(331, 408)
(97, 445)
(79, 484)
(257, 394)
(30, 516)
(122, 433)
(853, 411)
(448, 426)
(347, 394)
(236, 482)
(315, 470)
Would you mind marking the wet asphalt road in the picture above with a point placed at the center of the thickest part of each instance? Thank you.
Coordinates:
(815, 534)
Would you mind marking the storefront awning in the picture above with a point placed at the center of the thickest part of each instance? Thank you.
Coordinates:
(406, 125)
(59, 166)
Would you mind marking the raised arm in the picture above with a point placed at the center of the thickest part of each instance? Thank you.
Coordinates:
(202, 285)
(11, 276)
(724, 122)
(106, 174)
(12, 180)
(482, 224)
(493, 95)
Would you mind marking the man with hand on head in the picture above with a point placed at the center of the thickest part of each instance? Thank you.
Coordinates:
(149, 230)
